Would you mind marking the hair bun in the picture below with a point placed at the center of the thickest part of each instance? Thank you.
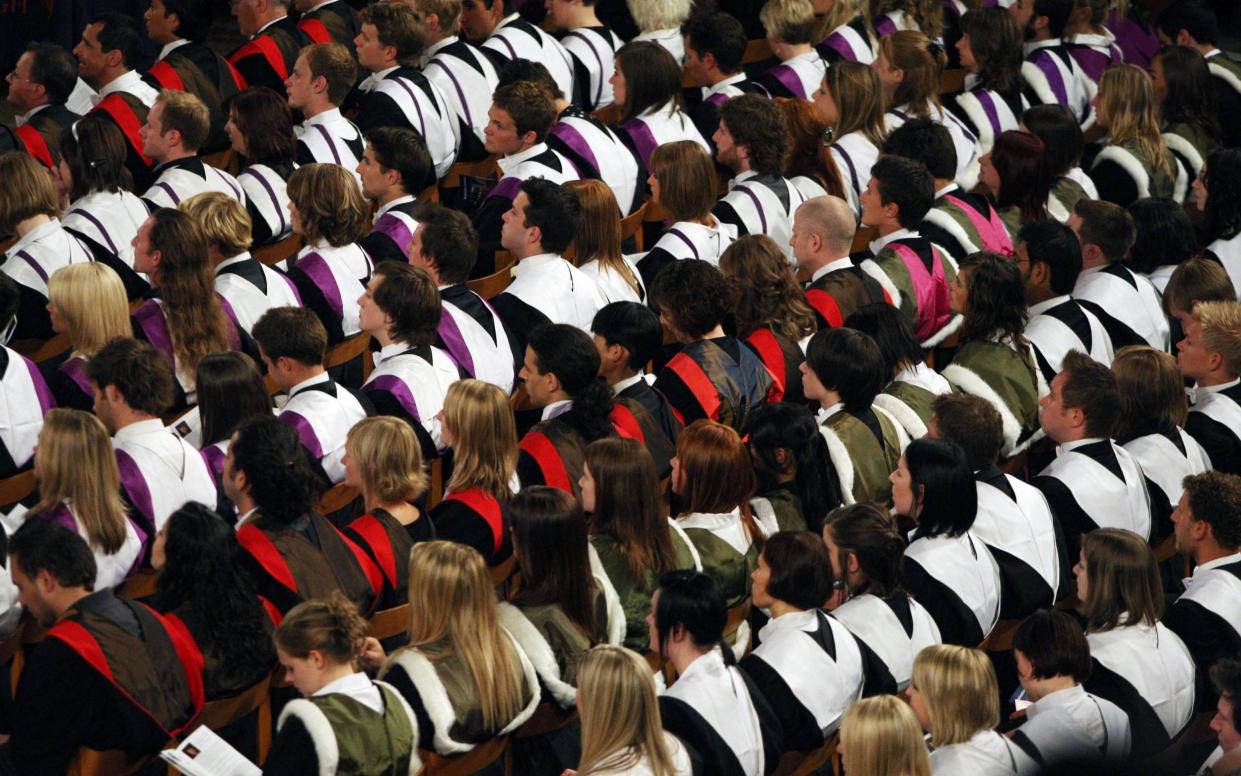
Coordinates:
(936, 46)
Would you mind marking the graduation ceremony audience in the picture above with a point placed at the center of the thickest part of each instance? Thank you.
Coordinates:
(598, 388)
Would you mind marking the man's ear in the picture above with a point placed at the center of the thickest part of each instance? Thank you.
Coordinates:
(113, 58)
(529, 138)
(318, 84)
(45, 582)
(1040, 273)
(112, 394)
(708, 60)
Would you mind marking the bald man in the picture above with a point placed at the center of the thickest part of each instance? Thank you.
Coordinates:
(823, 230)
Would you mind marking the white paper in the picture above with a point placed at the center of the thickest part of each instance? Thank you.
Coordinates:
(203, 753)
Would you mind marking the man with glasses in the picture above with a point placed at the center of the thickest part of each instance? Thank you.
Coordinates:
(39, 86)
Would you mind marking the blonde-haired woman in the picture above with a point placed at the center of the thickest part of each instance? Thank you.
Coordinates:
(851, 101)
(30, 212)
(790, 26)
(326, 208)
(622, 731)
(1134, 163)
(87, 304)
(80, 489)
(468, 673)
(844, 32)
(478, 426)
(956, 699)
(880, 736)
(383, 461)
(597, 244)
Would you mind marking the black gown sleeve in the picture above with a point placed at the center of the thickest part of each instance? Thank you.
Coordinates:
(1114, 183)
(313, 298)
(292, 751)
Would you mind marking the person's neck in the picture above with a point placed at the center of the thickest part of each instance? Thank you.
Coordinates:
(715, 75)
(715, 333)
(1094, 261)
(683, 653)
(66, 598)
(524, 148)
(820, 260)
(372, 502)
(386, 65)
(557, 396)
(176, 156)
(1041, 688)
(584, 16)
(561, 103)
(434, 36)
(28, 225)
(1041, 35)
(887, 227)
(23, 109)
(1037, 294)
(1079, 28)
(389, 195)
(1071, 436)
(943, 183)
(786, 51)
(315, 107)
(244, 503)
(124, 417)
(1218, 377)
(526, 251)
(273, 13)
(299, 374)
(334, 672)
(618, 374)
(384, 336)
(780, 608)
(830, 399)
(1209, 550)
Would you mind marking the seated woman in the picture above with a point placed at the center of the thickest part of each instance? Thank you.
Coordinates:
(914, 385)
(809, 665)
(880, 736)
(478, 427)
(910, 66)
(660, 22)
(851, 101)
(1015, 170)
(790, 26)
(87, 304)
(790, 456)
(384, 463)
(597, 244)
(1137, 662)
(29, 211)
(1151, 427)
(843, 372)
(844, 32)
(647, 87)
(771, 313)
(947, 569)
(990, 49)
(342, 712)
(103, 211)
(463, 674)
(1219, 199)
(562, 608)
(890, 16)
(714, 479)
(326, 208)
(260, 131)
(1165, 238)
(809, 165)
(80, 489)
(622, 729)
(1188, 112)
(1064, 722)
(715, 376)
(632, 540)
(994, 360)
(713, 707)
(1134, 161)
(230, 391)
(201, 584)
(865, 549)
(1063, 143)
(956, 699)
(683, 184)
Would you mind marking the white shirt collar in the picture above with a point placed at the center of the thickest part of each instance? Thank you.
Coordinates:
(1059, 698)
(1214, 564)
(398, 201)
(232, 260)
(1214, 388)
(719, 86)
(388, 351)
(171, 47)
(1070, 446)
(323, 118)
(827, 412)
(1034, 45)
(951, 187)
(430, 51)
(741, 177)
(140, 429)
(265, 26)
(28, 115)
(371, 81)
(844, 262)
(322, 377)
(879, 243)
(509, 161)
(312, 9)
(359, 687)
(241, 521)
(1047, 304)
(802, 620)
(628, 381)
(130, 82)
(531, 263)
(556, 408)
(809, 56)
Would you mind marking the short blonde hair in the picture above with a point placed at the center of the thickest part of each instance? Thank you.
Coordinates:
(27, 191)
(389, 458)
(788, 21)
(224, 221)
(959, 689)
(91, 299)
(1221, 331)
(187, 114)
(329, 204)
(447, 11)
(881, 736)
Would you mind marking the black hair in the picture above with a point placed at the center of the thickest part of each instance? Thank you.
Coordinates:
(1055, 645)
(907, 184)
(940, 471)
(229, 389)
(691, 600)
(1063, 141)
(403, 150)
(1223, 181)
(118, 34)
(1165, 235)
(1058, 13)
(193, 18)
(801, 570)
(41, 545)
(793, 428)
(892, 332)
(450, 240)
(634, 327)
(694, 295)
(1226, 678)
(926, 141)
(758, 124)
(554, 210)
(1190, 97)
(718, 34)
(1054, 244)
(570, 354)
(528, 70)
(1196, 18)
(848, 362)
(278, 468)
(54, 68)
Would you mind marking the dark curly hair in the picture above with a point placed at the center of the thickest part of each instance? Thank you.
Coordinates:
(1223, 182)
(694, 296)
(997, 299)
(203, 570)
(770, 295)
(756, 123)
(278, 469)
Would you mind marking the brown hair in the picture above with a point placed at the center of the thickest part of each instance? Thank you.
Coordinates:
(868, 533)
(329, 204)
(1127, 98)
(410, 297)
(686, 178)
(769, 293)
(1124, 586)
(628, 506)
(858, 94)
(529, 104)
(598, 233)
(1150, 388)
(331, 626)
(550, 539)
(807, 155)
(484, 438)
(225, 222)
(1197, 279)
(266, 123)
(188, 115)
(911, 51)
(1090, 387)
(788, 21)
(397, 25)
(1213, 498)
(718, 473)
(973, 423)
(335, 64)
(27, 191)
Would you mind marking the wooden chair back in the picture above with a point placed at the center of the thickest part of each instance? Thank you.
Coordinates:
(140, 585)
(631, 226)
(356, 347)
(19, 486)
(737, 615)
(337, 498)
(392, 622)
(225, 160)
(1001, 637)
(46, 350)
(757, 51)
(227, 711)
(610, 115)
(485, 168)
(465, 764)
(493, 285)
(279, 251)
(547, 718)
(953, 80)
(435, 483)
(807, 763)
(862, 238)
(502, 575)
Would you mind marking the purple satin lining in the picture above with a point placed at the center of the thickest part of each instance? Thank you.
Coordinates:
(643, 138)
(150, 318)
(214, 458)
(1055, 79)
(275, 201)
(988, 107)
(46, 402)
(135, 485)
(316, 268)
(885, 26)
(98, 225)
(506, 188)
(395, 229)
(576, 143)
(454, 343)
(75, 368)
(840, 44)
(791, 80)
(397, 387)
(305, 432)
(762, 217)
(1092, 61)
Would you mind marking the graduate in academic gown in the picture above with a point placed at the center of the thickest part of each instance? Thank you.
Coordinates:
(713, 707)
(592, 47)
(948, 568)
(715, 45)
(393, 156)
(794, 491)
(628, 336)
(801, 68)
(269, 54)
(26, 397)
(1050, 74)
(514, 38)
(324, 21)
(852, 101)
(646, 87)
(990, 53)
(1215, 416)
(260, 131)
(466, 77)
(179, 171)
(849, 35)
(326, 136)
(1134, 162)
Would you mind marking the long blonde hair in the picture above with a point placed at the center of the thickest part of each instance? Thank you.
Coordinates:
(621, 724)
(843, 12)
(91, 298)
(484, 437)
(858, 94)
(389, 458)
(453, 614)
(959, 689)
(881, 737)
(1127, 99)
(75, 463)
(598, 234)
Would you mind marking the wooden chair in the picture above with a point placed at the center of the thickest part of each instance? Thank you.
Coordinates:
(952, 80)
(486, 168)
(862, 238)
(387, 623)
(19, 486)
(356, 347)
(430, 193)
(140, 585)
(757, 51)
(610, 115)
(46, 350)
(225, 160)
(1001, 637)
(807, 763)
(337, 498)
(435, 483)
(227, 711)
(279, 251)
(547, 718)
(631, 226)
(1017, 465)
(466, 764)
(493, 285)
(109, 762)
(7, 243)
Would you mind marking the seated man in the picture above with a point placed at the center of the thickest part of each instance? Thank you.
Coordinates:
(292, 552)
(325, 21)
(273, 42)
(42, 81)
(823, 229)
(521, 116)
(317, 86)
(133, 386)
(176, 128)
(401, 310)
(187, 64)
(908, 266)
(1207, 527)
(90, 682)
(24, 393)
(397, 95)
(715, 44)
(445, 246)
(1196, 26)
(293, 343)
(506, 37)
(1051, 76)
(628, 337)
(1210, 355)
(1226, 679)
(1093, 482)
(592, 46)
(715, 375)
(546, 288)
(1050, 259)
(392, 157)
(1014, 519)
(463, 73)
